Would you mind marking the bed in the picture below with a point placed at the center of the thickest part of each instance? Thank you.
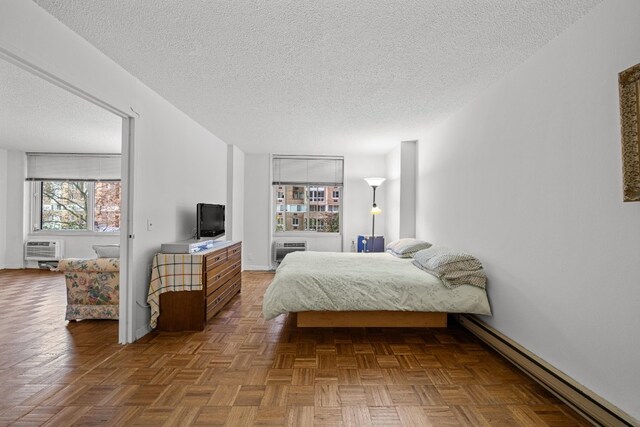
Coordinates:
(329, 289)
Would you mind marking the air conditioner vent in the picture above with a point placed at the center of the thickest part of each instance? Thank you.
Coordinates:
(294, 245)
(280, 249)
(43, 250)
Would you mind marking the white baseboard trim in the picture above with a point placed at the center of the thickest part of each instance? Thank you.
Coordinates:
(140, 332)
(592, 406)
(257, 268)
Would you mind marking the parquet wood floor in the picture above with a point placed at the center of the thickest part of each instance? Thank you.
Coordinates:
(243, 370)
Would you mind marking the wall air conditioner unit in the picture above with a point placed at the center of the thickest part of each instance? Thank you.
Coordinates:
(280, 249)
(43, 250)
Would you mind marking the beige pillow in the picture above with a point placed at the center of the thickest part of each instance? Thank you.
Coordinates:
(405, 248)
(107, 251)
(454, 267)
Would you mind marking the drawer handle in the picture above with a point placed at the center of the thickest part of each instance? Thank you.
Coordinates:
(218, 277)
(217, 258)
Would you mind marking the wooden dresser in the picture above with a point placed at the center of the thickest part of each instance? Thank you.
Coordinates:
(221, 278)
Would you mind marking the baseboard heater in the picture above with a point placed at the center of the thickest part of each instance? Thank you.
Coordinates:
(593, 407)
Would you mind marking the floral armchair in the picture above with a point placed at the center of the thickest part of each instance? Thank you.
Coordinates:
(93, 288)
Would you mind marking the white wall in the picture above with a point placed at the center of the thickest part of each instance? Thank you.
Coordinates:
(528, 178)
(409, 166)
(392, 185)
(16, 209)
(401, 170)
(177, 165)
(235, 193)
(177, 162)
(3, 206)
(256, 252)
(358, 196)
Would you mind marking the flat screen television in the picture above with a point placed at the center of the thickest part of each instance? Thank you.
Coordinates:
(210, 220)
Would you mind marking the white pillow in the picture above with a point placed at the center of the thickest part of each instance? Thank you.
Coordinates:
(107, 251)
(405, 248)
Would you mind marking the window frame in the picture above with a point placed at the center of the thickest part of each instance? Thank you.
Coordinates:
(36, 212)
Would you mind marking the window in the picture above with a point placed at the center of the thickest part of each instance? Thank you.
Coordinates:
(77, 205)
(309, 187)
(318, 216)
(298, 193)
(316, 194)
(75, 192)
(296, 208)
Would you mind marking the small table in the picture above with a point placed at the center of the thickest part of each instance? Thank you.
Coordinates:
(370, 244)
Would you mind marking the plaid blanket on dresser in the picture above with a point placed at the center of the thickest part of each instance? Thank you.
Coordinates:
(172, 272)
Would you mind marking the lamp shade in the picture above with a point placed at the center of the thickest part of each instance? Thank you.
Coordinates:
(375, 182)
(375, 210)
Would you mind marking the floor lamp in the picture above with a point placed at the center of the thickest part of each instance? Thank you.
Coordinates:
(375, 210)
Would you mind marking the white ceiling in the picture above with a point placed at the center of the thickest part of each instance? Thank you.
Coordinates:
(36, 115)
(329, 76)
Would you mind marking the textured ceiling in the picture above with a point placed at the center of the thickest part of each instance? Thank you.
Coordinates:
(334, 76)
(35, 115)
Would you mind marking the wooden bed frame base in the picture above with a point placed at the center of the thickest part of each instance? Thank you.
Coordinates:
(376, 319)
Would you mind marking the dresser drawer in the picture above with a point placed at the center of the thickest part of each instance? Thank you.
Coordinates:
(234, 250)
(235, 262)
(222, 295)
(215, 259)
(214, 282)
(223, 277)
(214, 276)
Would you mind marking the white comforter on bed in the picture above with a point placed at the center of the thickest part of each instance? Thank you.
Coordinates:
(334, 281)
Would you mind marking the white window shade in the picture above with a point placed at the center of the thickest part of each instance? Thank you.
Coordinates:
(307, 170)
(73, 167)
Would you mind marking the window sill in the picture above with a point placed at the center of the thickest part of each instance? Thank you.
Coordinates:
(49, 233)
(289, 234)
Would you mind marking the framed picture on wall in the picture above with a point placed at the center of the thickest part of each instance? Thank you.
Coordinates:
(629, 86)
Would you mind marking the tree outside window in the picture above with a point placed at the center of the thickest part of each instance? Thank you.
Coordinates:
(106, 213)
(80, 205)
(65, 205)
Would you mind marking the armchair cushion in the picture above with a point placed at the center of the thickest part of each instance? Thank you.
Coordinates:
(89, 265)
(93, 288)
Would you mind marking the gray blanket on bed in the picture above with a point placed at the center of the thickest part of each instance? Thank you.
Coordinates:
(334, 281)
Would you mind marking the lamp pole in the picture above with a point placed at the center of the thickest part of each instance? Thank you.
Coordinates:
(375, 210)
(373, 216)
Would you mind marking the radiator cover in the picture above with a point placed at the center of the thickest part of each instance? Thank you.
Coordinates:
(43, 250)
(280, 249)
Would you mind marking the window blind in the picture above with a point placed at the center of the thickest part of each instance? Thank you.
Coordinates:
(321, 170)
(73, 167)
